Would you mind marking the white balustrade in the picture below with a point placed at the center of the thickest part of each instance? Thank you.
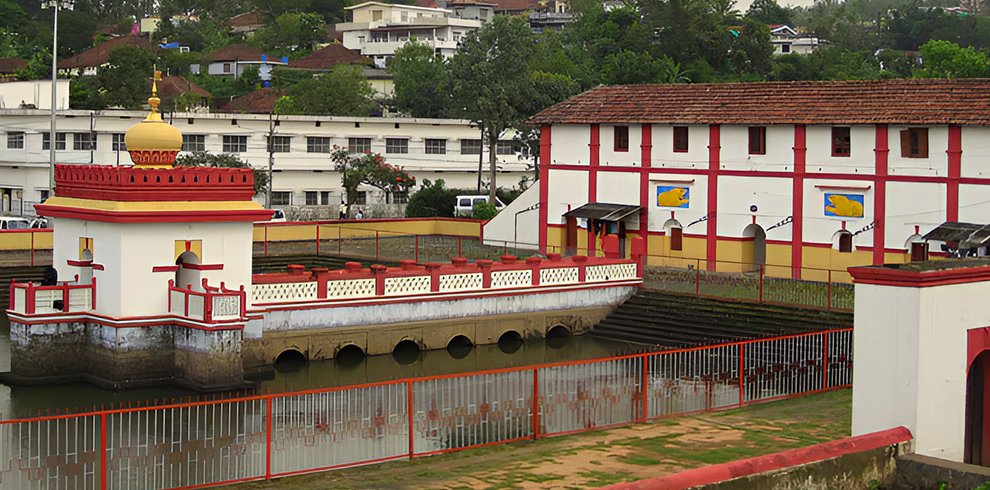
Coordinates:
(226, 307)
(80, 299)
(558, 275)
(44, 300)
(20, 299)
(283, 292)
(178, 302)
(610, 272)
(460, 282)
(351, 288)
(512, 279)
(406, 285)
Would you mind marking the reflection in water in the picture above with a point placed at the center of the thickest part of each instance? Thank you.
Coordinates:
(459, 347)
(406, 352)
(349, 368)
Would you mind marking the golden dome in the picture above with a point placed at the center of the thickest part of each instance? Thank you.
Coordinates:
(153, 142)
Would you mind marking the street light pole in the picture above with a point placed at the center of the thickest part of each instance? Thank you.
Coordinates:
(51, 138)
(271, 159)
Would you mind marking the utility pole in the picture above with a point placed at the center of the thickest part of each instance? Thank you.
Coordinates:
(271, 157)
(51, 147)
(481, 156)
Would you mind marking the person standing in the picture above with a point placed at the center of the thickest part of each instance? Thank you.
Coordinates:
(343, 210)
(359, 214)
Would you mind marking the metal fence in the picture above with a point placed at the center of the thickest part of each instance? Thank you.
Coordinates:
(269, 436)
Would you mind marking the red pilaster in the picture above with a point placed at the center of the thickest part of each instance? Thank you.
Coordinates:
(714, 161)
(646, 154)
(797, 196)
(594, 150)
(544, 184)
(880, 193)
(955, 172)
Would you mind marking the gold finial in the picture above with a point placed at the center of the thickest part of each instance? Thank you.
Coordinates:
(154, 101)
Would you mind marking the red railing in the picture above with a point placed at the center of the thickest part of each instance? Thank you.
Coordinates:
(211, 305)
(268, 436)
(433, 277)
(165, 184)
(29, 298)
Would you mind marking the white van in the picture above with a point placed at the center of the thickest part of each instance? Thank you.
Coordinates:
(11, 223)
(465, 204)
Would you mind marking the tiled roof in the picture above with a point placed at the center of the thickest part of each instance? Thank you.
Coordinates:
(261, 101)
(174, 86)
(915, 101)
(328, 56)
(237, 52)
(10, 65)
(100, 54)
(516, 5)
(246, 22)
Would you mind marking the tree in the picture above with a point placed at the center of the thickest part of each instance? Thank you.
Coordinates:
(225, 160)
(124, 81)
(342, 92)
(491, 82)
(421, 81)
(84, 93)
(769, 12)
(293, 31)
(944, 59)
(432, 199)
(370, 169)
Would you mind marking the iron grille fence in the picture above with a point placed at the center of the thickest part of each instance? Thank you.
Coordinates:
(268, 436)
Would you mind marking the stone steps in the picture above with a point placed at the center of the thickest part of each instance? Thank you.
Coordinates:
(671, 320)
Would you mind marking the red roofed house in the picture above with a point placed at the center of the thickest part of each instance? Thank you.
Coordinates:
(88, 61)
(170, 88)
(234, 58)
(9, 66)
(246, 24)
(803, 179)
(261, 101)
(329, 56)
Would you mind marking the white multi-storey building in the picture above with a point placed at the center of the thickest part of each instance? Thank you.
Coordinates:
(379, 29)
(303, 175)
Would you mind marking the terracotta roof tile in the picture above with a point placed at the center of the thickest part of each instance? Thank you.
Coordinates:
(246, 21)
(915, 101)
(515, 5)
(174, 86)
(10, 65)
(239, 52)
(261, 101)
(100, 54)
(329, 56)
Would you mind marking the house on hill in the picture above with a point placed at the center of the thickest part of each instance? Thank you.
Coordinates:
(234, 58)
(89, 61)
(801, 179)
(786, 40)
(172, 88)
(261, 101)
(9, 66)
(247, 23)
(325, 58)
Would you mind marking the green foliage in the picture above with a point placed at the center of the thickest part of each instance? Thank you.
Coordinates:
(370, 169)
(432, 199)
(39, 66)
(342, 92)
(292, 31)
(84, 93)
(769, 12)
(483, 211)
(186, 101)
(223, 88)
(226, 160)
(175, 63)
(422, 83)
(208, 34)
(944, 59)
(124, 81)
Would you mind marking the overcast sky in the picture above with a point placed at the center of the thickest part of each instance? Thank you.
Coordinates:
(743, 5)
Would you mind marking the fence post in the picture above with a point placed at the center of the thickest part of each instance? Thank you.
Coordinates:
(763, 271)
(697, 281)
(103, 451)
(824, 360)
(32, 248)
(376, 244)
(536, 403)
(268, 437)
(416, 249)
(317, 239)
(266, 240)
(459, 254)
(65, 296)
(338, 240)
(828, 301)
(644, 391)
(409, 408)
(742, 374)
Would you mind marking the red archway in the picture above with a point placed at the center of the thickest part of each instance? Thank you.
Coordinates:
(977, 444)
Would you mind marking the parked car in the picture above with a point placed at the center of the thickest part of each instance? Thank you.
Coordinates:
(12, 223)
(41, 223)
(465, 204)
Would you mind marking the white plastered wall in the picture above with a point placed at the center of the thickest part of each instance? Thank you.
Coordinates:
(697, 204)
(771, 196)
(569, 144)
(568, 189)
(910, 361)
(663, 154)
(861, 159)
(734, 152)
(607, 154)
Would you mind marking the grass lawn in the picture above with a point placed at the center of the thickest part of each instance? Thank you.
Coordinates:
(601, 458)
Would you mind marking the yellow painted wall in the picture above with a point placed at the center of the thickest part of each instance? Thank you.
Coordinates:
(366, 229)
(22, 240)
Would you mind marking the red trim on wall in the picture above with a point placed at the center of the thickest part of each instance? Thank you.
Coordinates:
(203, 267)
(707, 475)
(954, 153)
(797, 199)
(714, 161)
(977, 341)
(888, 276)
(544, 184)
(165, 268)
(847, 187)
(646, 155)
(880, 193)
(594, 157)
(85, 263)
(184, 216)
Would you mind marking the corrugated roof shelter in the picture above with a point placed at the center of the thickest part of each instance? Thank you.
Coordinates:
(603, 211)
(968, 235)
(907, 102)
